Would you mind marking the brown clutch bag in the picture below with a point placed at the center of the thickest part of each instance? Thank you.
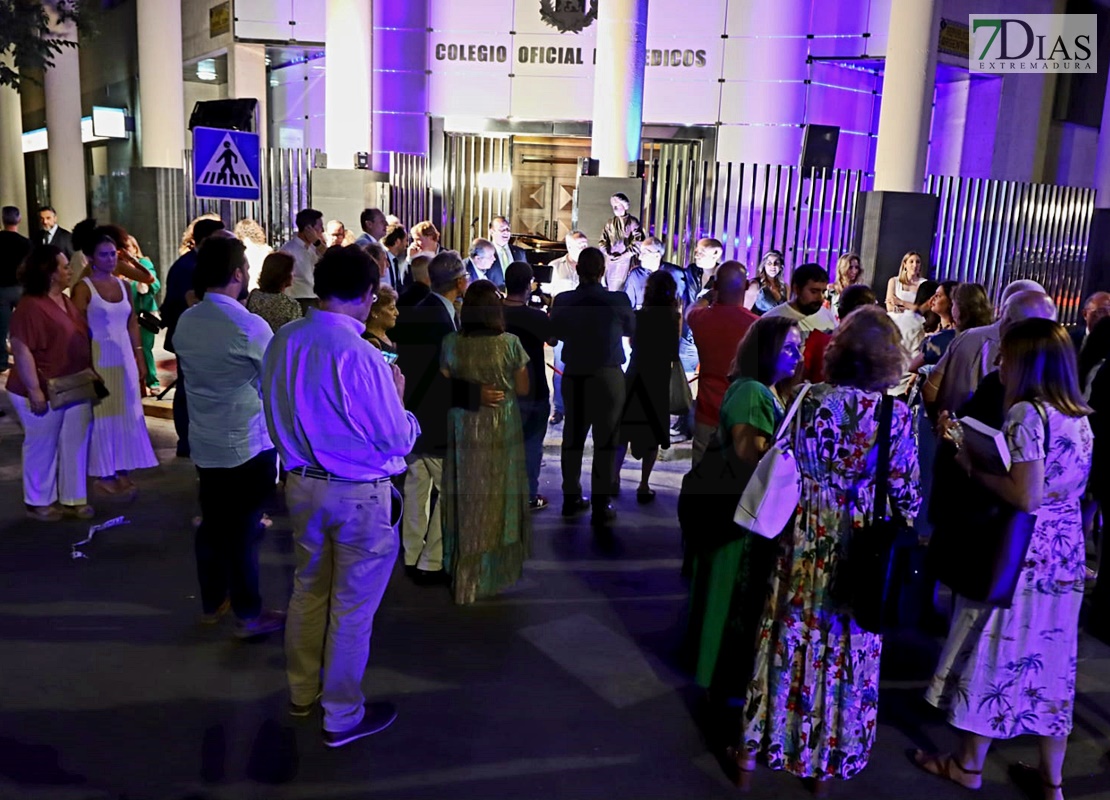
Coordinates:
(79, 387)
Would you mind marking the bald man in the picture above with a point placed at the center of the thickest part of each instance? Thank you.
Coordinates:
(970, 357)
(717, 321)
(1096, 306)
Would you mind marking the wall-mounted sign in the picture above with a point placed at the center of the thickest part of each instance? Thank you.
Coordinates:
(109, 123)
(954, 39)
(219, 19)
(568, 16)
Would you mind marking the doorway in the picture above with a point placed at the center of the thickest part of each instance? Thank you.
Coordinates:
(545, 174)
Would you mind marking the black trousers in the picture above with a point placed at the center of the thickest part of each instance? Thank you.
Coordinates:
(592, 401)
(230, 533)
(181, 414)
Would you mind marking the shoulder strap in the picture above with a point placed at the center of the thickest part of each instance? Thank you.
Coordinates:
(1047, 427)
(882, 474)
(797, 404)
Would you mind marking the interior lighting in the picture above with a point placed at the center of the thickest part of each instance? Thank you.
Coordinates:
(495, 181)
(206, 69)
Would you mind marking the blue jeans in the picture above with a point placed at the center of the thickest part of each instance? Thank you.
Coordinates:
(533, 419)
(9, 296)
(558, 378)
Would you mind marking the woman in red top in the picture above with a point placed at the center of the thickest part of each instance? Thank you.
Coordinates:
(50, 340)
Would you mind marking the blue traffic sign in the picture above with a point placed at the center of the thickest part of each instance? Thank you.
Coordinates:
(226, 164)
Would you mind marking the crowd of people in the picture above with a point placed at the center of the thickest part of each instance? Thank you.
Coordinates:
(399, 392)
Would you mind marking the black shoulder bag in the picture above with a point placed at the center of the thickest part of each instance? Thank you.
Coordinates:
(979, 550)
(864, 571)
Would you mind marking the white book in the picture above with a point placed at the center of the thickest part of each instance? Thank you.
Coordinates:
(989, 450)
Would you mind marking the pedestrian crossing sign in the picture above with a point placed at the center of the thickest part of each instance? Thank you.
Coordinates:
(225, 164)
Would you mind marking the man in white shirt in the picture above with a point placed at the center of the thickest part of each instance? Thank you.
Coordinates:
(220, 345)
(807, 301)
(334, 409)
(306, 248)
(396, 242)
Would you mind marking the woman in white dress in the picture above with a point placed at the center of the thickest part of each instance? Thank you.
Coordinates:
(902, 290)
(120, 442)
(1005, 672)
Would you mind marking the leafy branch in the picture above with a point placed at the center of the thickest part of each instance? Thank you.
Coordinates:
(27, 41)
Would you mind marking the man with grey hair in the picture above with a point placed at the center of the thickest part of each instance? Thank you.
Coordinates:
(14, 247)
(500, 232)
(419, 336)
(972, 355)
(483, 264)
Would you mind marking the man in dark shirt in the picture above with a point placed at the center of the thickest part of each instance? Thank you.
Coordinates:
(533, 327)
(419, 285)
(14, 247)
(591, 322)
(50, 232)
(179, 296)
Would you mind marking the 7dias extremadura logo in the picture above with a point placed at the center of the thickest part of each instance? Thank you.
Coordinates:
(1034, 43)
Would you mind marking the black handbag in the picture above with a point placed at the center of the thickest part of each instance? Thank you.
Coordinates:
(864, 572)
(979, 550)
(708, 498)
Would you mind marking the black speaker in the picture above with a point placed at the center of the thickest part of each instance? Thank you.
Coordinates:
(587, 166)
(636, 169)
(237, 114)
(819, 147)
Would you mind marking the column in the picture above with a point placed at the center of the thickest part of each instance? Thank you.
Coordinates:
(161, 87)
(65, 156)
(13, 181)
(618, 108)
(1097, 272)
(909, 78)
(348, 86)
(246, 77)
(1102, 157)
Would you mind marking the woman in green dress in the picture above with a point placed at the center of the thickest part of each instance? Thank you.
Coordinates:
(144, 299)
(730, 582)
(486, 521)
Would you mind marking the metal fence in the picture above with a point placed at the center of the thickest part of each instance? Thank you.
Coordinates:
(751, 208)
(993, 232)
(286, 188)
(410, 190)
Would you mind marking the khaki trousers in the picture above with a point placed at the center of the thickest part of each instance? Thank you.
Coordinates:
(346, 548)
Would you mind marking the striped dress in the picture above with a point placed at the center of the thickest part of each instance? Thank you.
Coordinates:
(120, 441)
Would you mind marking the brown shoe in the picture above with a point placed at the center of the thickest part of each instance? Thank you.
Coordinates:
(44, 513)
(78, 512)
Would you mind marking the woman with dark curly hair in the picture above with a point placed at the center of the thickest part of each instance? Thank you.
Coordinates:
(812, 705)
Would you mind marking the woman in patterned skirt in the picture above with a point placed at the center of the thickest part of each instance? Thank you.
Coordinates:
(812, 705)
(486, 520)
(1011, 671)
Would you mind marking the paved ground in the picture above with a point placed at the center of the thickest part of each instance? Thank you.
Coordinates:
(569, 686)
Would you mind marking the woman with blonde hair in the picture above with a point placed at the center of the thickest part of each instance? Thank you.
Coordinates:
(772, 287)
(812, 704)
(848, 271)
(1005, 672)
(901, 290)
(425, 239)
(251, 234)
(187, 241)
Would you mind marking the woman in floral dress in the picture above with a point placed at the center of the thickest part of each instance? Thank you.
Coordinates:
(812, 704)
(1011, 671)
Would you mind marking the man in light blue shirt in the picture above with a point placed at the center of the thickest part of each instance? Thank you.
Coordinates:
(334, 409)
(221, 345)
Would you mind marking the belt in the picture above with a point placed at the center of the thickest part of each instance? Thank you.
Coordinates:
(324, 475)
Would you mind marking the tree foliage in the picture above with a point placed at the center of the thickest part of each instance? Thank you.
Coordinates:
(27, 44)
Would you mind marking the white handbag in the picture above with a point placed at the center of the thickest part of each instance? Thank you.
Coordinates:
(772, 494)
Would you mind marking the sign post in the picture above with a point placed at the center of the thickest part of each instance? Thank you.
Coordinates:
(226, 164)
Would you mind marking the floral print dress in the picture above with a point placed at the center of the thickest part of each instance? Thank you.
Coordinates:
(812, 705)
(1011, 671)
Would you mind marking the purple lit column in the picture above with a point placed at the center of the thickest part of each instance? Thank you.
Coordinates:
(619, 85)
(349, 83)
(909, 77)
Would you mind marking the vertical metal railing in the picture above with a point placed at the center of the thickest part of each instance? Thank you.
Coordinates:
(993, 232)
(285, 189)
(751, 208)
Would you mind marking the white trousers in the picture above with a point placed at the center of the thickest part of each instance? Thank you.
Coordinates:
(55, 453)
(421, 527)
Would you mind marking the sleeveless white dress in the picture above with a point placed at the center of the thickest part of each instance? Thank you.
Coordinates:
(120, 441)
